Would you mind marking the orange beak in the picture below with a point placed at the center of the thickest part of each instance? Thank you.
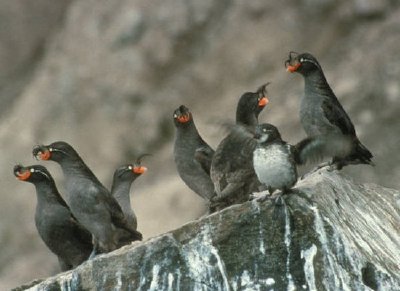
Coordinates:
(293, 68)
(139, 169)
(263, 101)
(44, 156)
(24, 176)
(183, 118)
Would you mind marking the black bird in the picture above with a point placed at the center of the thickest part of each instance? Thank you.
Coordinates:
(120, 189)
(192, 154)
(57, 227)
(90, 202)
(232, 165)
(274, 160)
(322, 114)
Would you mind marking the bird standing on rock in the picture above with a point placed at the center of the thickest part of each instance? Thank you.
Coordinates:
(321, 113)
(90, 202)
(57, 227)
(274, 160)
(192, 155)
(120, 190)
(232, 165)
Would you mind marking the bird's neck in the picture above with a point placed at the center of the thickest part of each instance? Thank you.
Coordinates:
(315, 82)
(76, 168)
(121, 192)
(246, 118)
(47, 193)
(189, 133)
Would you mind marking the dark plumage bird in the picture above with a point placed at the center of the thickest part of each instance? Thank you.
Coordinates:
(120, 189)
(90, 202)
(57, 227)
(322, 114)
(192, 154)
(274, 160)
(232, 165)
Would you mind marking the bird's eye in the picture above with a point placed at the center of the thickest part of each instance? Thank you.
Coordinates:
(301, 60)
(50, 149)
(32, 170)
(175, 115)
(130, 167)
(264, 130)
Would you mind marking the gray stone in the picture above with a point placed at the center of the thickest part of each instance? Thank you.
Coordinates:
(329, 234)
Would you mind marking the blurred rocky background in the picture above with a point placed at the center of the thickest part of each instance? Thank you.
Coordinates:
(107, 75)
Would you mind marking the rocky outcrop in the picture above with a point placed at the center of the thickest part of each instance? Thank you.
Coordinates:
(329, 234)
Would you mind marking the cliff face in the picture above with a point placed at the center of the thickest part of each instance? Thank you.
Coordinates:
(329, 234)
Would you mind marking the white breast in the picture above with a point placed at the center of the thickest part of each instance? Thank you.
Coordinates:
(273, 167)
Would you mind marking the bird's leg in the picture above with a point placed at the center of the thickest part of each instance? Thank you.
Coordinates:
(261, 197)
(270, 190)
(338, 164)
(213, 205)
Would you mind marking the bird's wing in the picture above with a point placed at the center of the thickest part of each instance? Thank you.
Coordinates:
(203, 155)
(336, 115)
(315, 149)
(81, 233)
(293, 153)
(232, 163)
(118, 218)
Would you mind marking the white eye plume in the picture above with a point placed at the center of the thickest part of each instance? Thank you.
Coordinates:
(264, 137)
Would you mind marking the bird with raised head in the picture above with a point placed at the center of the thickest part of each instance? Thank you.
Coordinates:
(58, 228)
(90, 202)
(321, 113)
(192, 155)
(123, 178)
(232, 170)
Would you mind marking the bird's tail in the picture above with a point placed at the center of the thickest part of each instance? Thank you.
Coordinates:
(362, 154)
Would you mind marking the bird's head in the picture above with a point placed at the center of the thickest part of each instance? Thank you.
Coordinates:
(32, 174)
(56, 151)
(182, 115)
(266, 133)
(252, 102)
(131, 171)
(304, 63)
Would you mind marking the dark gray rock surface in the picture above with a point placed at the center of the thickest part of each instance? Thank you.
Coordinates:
(329, 234)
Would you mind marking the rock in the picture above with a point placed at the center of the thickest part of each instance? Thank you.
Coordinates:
(25, 28)
(370, 8)
(329, 234)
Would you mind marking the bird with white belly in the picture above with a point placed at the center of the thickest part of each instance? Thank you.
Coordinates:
(274, 160)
